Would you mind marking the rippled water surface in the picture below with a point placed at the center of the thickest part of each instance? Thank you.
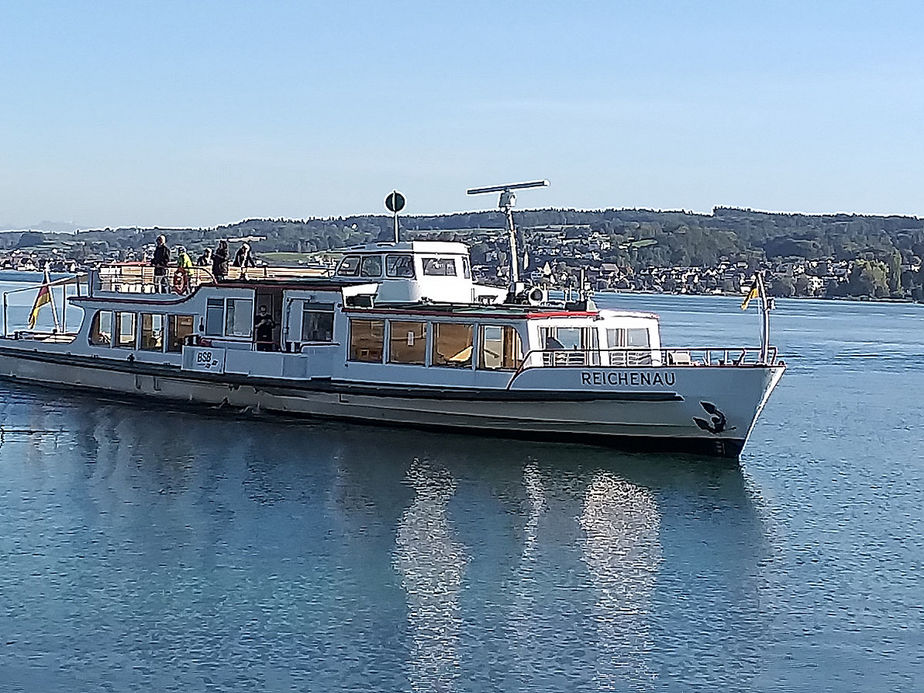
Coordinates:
(152, 549)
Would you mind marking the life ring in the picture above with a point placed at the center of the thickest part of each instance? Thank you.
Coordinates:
(180, 281)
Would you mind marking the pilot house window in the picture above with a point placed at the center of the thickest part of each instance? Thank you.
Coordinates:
(452, 345)
(349, 267)
(372, 266)
(367, 340)
(439, 266)
(401, 266)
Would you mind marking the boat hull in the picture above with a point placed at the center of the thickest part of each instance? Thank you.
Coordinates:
(566, 406)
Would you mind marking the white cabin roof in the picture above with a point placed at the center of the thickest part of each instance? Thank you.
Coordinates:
(442, 247)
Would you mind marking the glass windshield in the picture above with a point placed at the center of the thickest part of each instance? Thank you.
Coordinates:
(439, 266)
(349, 267)
(372, 266)
(399, 266)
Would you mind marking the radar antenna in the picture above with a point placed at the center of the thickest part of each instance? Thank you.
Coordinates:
(506, 202)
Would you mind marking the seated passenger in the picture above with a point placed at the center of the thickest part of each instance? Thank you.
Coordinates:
(553, 344)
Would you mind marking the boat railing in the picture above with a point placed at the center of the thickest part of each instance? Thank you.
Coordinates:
(138, 277)
(48, 337)
(60, 332)
(638, 357)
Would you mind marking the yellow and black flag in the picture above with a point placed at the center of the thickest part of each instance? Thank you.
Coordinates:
(753, 293)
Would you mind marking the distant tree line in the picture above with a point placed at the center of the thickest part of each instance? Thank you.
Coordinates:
(882, 248)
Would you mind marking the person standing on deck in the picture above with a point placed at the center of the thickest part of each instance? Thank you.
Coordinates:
(160, 261)
(220, 259)
(183, 277)
(243, 258)
(205, 260)
(263, 330)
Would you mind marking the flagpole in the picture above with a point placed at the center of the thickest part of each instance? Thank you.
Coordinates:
(765, 318)
(54, 310)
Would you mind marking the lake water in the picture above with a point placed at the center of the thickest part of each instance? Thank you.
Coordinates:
(150, 549)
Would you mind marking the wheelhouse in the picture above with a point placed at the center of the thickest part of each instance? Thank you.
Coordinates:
(417, 271)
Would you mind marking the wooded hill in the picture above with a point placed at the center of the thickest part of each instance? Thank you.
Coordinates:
(636, 238)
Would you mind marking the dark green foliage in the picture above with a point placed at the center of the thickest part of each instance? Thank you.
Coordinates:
(29, 239)
(637, 239)
(869, 278)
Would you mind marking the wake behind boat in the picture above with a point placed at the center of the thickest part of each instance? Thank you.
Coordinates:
(400, 334)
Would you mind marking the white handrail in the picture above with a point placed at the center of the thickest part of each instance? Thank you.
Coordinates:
(64, 282)
(627, 357)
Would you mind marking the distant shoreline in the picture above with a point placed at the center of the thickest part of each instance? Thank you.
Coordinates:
(17, 276)
(848, 299)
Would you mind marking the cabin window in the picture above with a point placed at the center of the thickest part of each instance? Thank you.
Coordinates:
(125, 330)
(633, 346)
(152, 332)
(570, 338)
(567, 337)
(372, 266)
(214, 317)
(101, 329)
(318, 322)
(400, 266)
(500, 348)
(407, 342)
(569, 346)
(452, 345)
(239, 317)
(180, 327)
(439, 266)
(466, 268)
(616, 338)
(349, 267)
(367, 340)
(638, 338)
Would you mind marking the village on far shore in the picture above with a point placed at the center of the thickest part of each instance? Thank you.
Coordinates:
(612, 250)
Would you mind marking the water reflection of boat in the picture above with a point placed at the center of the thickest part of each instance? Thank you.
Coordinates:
(618, 562)
(622, 549)
(431, 562)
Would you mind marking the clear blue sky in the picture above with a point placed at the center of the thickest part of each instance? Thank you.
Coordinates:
(203, 113)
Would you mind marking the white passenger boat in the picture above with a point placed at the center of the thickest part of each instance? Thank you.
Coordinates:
(401, 335)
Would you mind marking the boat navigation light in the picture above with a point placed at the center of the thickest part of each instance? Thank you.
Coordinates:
(505, 203)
